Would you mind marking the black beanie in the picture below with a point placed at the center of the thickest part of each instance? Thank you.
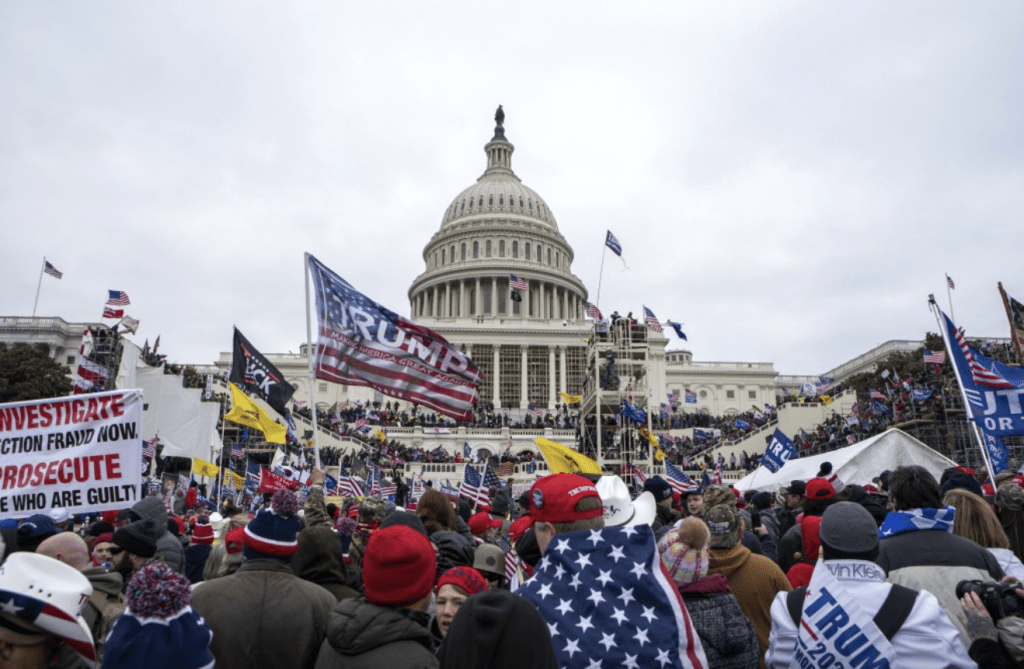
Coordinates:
(137, 538)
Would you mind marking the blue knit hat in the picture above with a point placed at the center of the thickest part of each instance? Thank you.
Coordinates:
(273, 533)
(159, 629)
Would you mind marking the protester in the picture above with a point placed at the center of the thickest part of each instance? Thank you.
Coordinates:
(818, 496)
(918, 548)
(695, 502)
(1010, 509)
(387, 627)
(858, 616)
(489, 560)
(621, 511)
(662, 493)
(581, 588)
(40, 622)
(318, 559)
(754, 579)
(101, 549)
(727, 635)
(106, 602)
(484, 526)
(167, 545)
(199, 549)
(800, 573)
(290, 614)
(159, 629)
(453, 588)
(975, 520)
(489, 632)
(134, 546)
(226, 557)
(793, 496)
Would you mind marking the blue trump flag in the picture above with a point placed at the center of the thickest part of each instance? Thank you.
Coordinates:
(613, 244)
(632, 412)
(993, 389)
(679, 330)
(742, 424)
(779, 452)
(997, 452)
(921, 394)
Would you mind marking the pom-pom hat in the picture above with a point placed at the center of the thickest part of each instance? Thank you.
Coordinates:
(40, 595)
(553, 499)
(202, 531)
(273, 532)
(159, 629)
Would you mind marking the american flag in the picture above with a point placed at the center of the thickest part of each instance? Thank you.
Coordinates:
(418, 487)
(490, 478)
(949, 282)
(149, 450)
(402, 359)
(112, 313)
(534, 411)
(52, 271)
(980, 374)
(606, 598)
(237, 452)
(387, 487)
(678, 480)
(637, 474)
(875, 395)
(359, 424)
(691, 397)
(652, 320)
(510, 566)
(118, 298)
(471, 488)
(717, 476)
(593, 311)
(350, 487)
(252, 474)
(515, 282)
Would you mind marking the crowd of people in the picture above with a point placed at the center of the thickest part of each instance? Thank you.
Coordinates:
(909, 569)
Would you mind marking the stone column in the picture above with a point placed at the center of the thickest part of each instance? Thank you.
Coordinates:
(523, 376)
(495, 392)
(433, 302)
(494, 296)
(552, 397)
(477, 298)
(565, 304)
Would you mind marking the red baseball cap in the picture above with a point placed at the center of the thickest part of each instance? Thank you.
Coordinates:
(553, 499)
(819, 488)
(481, 522)
(516, 529)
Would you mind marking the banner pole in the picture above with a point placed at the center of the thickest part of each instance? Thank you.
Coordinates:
(312, 371)
(39, 287)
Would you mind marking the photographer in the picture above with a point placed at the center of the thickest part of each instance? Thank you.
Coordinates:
(989, 615)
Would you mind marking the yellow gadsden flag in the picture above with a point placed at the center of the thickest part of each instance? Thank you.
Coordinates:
(245, 412)
(571, 399)
(564, 460)
(201, 467)
(651, 439)
(231, 478)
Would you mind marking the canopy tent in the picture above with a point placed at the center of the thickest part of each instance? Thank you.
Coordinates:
(854, 464)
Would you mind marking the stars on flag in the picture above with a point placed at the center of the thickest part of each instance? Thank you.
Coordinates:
(118, 298)
(52, 271)
(517, 283)
(651, 320)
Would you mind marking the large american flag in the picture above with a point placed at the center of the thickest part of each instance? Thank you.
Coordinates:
(349, 487)
(981, 375)
(515, 282)
(118, 298)
(471, 487)
(652, 320)
(678, 480)
(362, 343)
(606, 599)
(490, 478)
(875, 395)
(593, 311)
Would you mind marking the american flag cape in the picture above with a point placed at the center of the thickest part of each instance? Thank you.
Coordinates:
(38, 612)
(362, 343)
(607, 602)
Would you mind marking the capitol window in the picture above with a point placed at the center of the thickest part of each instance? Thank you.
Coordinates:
(487, 248)
(515, 249)
(501, 200)
(451, 254)
(529, 205)
(442, 256)
(490, 200)
(501, 248)
(752, 394)
(462, 252)
(526, 251)
(549, 256)
(538, 252)
(730, 394)
(463, 205)
(476, 249)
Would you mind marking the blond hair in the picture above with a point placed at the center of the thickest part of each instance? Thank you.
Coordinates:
(975, 519)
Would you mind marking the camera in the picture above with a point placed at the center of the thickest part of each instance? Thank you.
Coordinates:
(998, 597)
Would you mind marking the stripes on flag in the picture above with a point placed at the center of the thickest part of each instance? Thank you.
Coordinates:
(515, 282)
(534, 411)
(118, 298)
(934, 357)
(637, 474)
(652, 320)
(149, 450)
(593, 311)
(52, 271)
(349, 487)
(678, 480)
(981, 375)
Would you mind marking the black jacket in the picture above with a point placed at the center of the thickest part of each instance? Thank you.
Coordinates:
(363, 635)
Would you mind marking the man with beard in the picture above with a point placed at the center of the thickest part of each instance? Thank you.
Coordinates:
(134, 546)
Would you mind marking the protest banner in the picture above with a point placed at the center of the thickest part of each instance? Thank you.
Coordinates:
(80, 454)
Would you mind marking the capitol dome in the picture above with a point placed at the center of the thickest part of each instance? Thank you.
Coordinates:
(495, 229)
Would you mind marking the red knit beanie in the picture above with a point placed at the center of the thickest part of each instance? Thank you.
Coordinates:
(398, 567)
(202, 531)
(468, 579)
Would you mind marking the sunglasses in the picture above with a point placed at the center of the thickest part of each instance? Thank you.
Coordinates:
(115, 550)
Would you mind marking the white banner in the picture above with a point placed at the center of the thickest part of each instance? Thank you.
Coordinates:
(81, 453)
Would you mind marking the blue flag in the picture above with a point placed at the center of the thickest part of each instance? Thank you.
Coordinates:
(705, 480)
(632, 412)
(780, 451)
(993, 389)
(330, 483)
(700, 434)
(997, 452)
(921, 394)
(742, 424)
(878, 407)
(466, 450)
(613, 244)
(679, 330)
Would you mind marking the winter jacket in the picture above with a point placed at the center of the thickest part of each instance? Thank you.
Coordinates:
(926, 639)
(104, 606)
(728, 636)
(936, 561)
(364, 635)
(195, 561)
(755, 580)
(319, 560)
(1009, 562)
(167, 545)
(264, 617)
(792, 542)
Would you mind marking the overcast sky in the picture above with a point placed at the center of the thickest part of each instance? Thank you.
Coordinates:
(789, 179)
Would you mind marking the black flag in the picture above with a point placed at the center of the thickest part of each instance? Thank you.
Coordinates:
(251, 371)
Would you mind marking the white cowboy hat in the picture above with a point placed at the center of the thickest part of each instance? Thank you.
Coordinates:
(619, 509)
(48, 595)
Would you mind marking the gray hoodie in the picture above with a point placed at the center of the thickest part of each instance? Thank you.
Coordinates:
(167, 545)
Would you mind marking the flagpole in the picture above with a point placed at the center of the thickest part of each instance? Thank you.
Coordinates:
(600, 275)
(39, 287)
(220, 486)
(963, 394)
(1013, 328)
(312, 372)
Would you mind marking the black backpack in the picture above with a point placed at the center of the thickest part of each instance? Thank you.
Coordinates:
(889, 619)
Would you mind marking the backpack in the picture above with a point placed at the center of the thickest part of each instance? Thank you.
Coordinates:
(102, 611)
(889, 619)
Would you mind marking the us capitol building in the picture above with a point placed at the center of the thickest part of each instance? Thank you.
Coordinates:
(528, 349)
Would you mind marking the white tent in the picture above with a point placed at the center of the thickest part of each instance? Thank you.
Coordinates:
(854, 464)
